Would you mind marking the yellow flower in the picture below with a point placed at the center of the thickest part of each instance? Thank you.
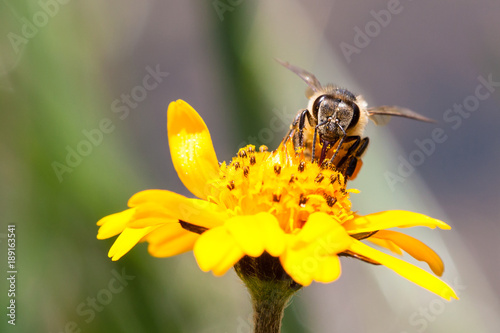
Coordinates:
(262, 203)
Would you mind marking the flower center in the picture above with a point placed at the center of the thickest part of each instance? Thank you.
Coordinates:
(283, 183)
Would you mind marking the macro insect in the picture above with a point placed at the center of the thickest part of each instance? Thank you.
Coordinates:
(330, 129)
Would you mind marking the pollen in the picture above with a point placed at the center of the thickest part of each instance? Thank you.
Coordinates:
(319, 178)
(242, 153)
(277, 169)
(302, 166)
(282, 182)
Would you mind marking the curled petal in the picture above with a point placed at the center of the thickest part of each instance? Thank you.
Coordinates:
(191, 147)
(391, 219)
(406, 270)
(413, 247)
(387, 244)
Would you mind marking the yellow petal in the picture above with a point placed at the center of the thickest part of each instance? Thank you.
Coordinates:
(386, 244)
(150, 221)
(126, 241)
(413, 247)
(299, 265)
(328, 270)
(170, 240)
(324, 231)
(257, 233)
(391, 219)
(406, 270)
(217, 250)
(311, 255)
(233, 255)
(274, 236)
(308, 264)
(193, 154)
(158, 203)
(113, 224)
(152, 209)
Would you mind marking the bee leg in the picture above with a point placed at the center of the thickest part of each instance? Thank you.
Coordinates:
(302, 124)
(362, 147)
(352, 160)
(314, 143)
(350, 152)
(292, 129)
(298, 123)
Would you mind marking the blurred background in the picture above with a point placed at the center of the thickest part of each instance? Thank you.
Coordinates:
(84, 89)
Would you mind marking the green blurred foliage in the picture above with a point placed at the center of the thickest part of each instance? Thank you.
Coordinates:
(55, 89)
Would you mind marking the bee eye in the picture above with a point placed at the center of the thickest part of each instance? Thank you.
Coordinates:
(316, 105)
(355, 116)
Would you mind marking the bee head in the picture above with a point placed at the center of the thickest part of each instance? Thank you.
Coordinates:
(334, 115)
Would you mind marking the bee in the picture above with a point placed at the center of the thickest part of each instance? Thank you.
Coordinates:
(330, 129)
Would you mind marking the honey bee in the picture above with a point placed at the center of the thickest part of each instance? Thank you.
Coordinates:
(336, 120)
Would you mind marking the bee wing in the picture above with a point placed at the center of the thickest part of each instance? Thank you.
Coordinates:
(309, 78)
(381, 115)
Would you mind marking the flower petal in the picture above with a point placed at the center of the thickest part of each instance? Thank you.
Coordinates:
(126, 241)
(413, 247)
(113, 224)
(329, 270)
(162, 203)
(233, 255)
(391, 219)
(406, 270)
(307, 265)
(387, 244)
(191, 147)
(150, 221)
(324, 230)
(311, 255)
(170, 240)
(257, 233)
(217, 250)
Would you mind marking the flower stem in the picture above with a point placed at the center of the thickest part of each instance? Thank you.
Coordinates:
(270, 288)
(269, 306)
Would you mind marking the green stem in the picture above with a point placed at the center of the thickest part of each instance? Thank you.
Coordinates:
(268, 307)
(270, 288)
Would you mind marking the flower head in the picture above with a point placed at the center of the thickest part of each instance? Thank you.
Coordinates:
(272, 205)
